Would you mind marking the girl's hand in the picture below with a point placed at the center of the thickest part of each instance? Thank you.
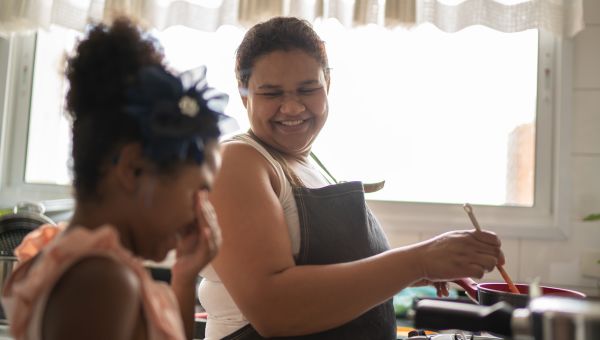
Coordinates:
(201, 243)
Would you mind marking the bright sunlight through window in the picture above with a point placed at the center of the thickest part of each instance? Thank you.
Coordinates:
(444, 118)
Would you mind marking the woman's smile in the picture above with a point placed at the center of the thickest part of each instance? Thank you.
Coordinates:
(293, 126)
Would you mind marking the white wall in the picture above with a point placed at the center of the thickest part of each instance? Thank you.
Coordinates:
(557, 262)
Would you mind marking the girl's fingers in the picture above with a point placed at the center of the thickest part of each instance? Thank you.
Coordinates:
(207, 222)
(211, 243)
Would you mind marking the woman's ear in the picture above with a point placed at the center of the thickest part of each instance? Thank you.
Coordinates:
(129, 166)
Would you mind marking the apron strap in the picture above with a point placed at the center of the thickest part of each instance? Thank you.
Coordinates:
(290, 175)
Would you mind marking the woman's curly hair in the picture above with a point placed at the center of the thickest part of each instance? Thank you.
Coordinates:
(278, 34)
(106, 62)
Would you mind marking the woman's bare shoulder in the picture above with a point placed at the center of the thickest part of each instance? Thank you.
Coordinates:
(98, 297)
(243, 161)
(238, 149)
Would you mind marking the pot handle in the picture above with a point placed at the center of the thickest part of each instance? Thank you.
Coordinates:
(439, 314)
(470, 287)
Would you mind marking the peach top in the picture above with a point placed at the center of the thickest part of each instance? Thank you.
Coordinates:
(46, 254)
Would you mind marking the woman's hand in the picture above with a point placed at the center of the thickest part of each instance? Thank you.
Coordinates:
(441, 287)
(201, 243)
(458, 254)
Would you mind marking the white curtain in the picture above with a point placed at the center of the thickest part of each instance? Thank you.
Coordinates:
(562, 17)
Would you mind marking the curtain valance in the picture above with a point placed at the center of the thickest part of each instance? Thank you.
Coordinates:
(562, 17)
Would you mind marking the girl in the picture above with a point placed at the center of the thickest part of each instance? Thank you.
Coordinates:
(145, 153)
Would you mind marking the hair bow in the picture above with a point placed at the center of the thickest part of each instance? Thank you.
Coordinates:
(177, 115)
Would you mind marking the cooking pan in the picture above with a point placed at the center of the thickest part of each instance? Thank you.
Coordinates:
(488, 294)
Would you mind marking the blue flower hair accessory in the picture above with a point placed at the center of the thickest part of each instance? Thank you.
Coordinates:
(177, 115)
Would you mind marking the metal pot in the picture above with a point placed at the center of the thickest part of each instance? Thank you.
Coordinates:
(26, 217)
(488, 294)
(544, 318)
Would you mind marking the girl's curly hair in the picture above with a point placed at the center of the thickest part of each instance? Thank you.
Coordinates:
(104, 65)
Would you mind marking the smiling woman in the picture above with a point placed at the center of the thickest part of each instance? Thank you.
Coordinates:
(292, 240)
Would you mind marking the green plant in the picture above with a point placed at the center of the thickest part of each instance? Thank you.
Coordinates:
(592, 217)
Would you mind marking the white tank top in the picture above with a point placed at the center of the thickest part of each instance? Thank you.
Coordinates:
(224, 317)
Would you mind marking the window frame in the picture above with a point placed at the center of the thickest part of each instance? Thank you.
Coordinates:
(548, 219)
(17, 56)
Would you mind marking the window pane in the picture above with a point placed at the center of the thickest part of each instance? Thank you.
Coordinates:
(187, 48)
(49, 135)
(447, 118)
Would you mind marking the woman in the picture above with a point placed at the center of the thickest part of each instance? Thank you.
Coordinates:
(303, 257)
(145, 153)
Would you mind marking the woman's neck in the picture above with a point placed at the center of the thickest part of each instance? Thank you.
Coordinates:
(301, 159)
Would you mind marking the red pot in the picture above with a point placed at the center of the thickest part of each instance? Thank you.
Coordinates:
(489, 293)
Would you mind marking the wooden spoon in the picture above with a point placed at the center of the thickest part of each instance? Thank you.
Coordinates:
(509, 282)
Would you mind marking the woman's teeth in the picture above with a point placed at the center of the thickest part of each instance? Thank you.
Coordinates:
(291, 122)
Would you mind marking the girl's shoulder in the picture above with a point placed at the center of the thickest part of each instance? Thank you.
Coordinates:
(112, 288)
(71, 271)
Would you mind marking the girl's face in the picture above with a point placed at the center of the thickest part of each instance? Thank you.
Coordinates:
(165, 205)
(287, 100)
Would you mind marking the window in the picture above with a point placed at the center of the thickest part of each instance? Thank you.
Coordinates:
(49, 137)
(435, 114)
(443, 118)
(16, 60)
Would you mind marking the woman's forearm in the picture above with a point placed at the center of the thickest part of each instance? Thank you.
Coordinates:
(312, 298)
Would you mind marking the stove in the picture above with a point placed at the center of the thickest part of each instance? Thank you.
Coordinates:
(414, 334)
(451, 335)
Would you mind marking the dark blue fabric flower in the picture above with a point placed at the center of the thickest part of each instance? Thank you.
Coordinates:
(177, 115)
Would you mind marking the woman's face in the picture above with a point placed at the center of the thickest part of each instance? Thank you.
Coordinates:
(287, 100)
(165, 205)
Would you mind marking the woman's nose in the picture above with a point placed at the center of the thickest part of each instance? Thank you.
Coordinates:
(291, 105)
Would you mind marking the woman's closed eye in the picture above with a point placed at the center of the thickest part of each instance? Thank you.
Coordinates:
(301, 92)
(271, 94)
(309, 90)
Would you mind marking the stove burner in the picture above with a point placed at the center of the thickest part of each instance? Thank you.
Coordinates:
(420, 335)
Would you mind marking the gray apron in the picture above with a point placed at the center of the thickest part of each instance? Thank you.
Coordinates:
(336, 226)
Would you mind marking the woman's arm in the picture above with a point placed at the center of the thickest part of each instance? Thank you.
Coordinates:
(282, 299)
(97, 298)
